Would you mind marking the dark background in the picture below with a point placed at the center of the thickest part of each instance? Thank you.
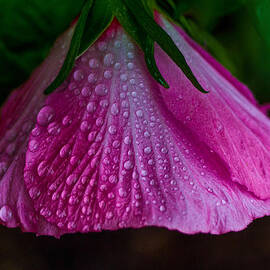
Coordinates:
(147, 248)
(156, 248)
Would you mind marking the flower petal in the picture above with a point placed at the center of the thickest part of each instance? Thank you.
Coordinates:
(226, 118)
(107, 153)
(17, 120)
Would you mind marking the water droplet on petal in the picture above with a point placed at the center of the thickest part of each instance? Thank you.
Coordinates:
(92, 78)
(5, 213)
(112, 129)
(78, 75)
(122, 193)
(147, 150)
(91, 107)
(115, 109)
(108, 59)
(128, 165)
(33, 145)
(86, 91)
(45, 116)
(101, 90)
(108, 74)
(93, 63)
(72, 179)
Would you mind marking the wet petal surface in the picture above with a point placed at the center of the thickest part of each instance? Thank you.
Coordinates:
(226, 118)
(107, 152)
(17, 120)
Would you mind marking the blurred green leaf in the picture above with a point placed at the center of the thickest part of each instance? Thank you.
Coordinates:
(206, 12)
(28, 30)
(260, 12)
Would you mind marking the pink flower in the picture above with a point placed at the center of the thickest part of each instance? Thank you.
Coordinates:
(112, 149)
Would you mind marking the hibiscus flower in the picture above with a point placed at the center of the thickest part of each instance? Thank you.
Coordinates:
(111, 148)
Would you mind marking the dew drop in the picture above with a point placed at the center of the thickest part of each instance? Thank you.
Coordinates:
(66, 121)
(113, 179)
(128, 165)
(91, 107)
(45, 116)
(147, 150)
(139, 113)
(34, 193)
(123, 77)
(78, 75)
(86, 91)
(99, 122)
(109, 215)
(162, 208)
(108, 59)
(115, 109)
(5, 213)
(84, 127)
(33, 146)
(72, 179)
(117, 66)
(71, 225)
(122, 193)
(108, 74)
(92, 78)
(93, 63)
(127, 140)
(112, 129)
(130, 65)
(101, 90)
(102, 46)
(130, 55)
(42, 168)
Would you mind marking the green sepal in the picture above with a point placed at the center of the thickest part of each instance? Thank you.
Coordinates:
(99, 18)
(73, 49)
(157, 34)
(141, 37)
(260, 13)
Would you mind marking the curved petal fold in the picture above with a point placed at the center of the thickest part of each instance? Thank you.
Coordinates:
(17, 120)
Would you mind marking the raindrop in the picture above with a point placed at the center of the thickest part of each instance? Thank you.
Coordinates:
(101, 90)
(78, 75)
(123, 77)
(93, 63)
(5, 213)
(122, 193)
(86, 91)
(115, 109)
(130, 65)
(33, 145)
(147, 150)
(108, 59)
(162, 208)
(92, 78)
(72, 179)
(45, 116)
(108, 74)
(112, 129)
(91, 107)
(128, 165)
